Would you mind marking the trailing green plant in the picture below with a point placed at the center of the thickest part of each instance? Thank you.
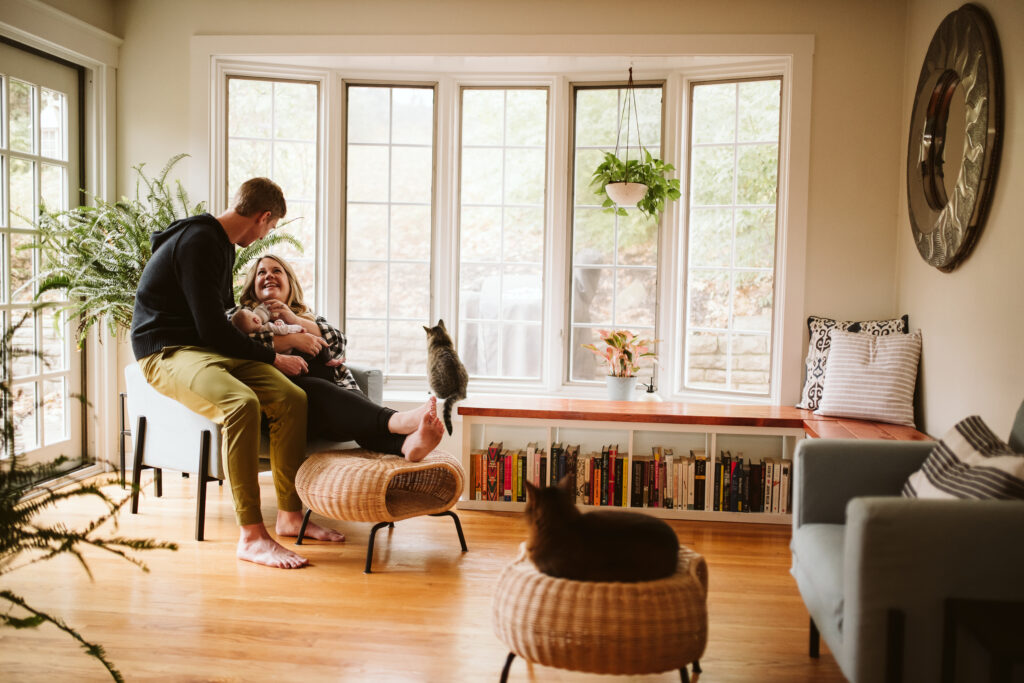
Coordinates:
(94, 255)
(26, 540)
(649, 171)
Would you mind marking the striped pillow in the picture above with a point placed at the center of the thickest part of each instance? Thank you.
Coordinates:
(871, 377)
(969, 462)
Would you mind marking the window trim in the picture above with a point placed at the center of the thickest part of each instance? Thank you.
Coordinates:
(792, 55)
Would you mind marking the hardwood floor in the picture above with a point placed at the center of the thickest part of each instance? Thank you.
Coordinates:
(423, 615)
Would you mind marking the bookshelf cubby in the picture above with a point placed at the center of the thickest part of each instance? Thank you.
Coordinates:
(755, 431)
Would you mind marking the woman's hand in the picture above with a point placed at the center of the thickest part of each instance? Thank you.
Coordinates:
(304, 341)
(279, 311)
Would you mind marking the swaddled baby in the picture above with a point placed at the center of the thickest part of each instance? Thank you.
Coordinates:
(251, 320)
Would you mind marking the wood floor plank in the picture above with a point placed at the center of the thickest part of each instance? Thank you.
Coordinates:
(424, 615)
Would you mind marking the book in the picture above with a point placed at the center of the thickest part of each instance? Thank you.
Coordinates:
(572, 456)
(553, 463)
(736, 484)
(522, 478)
(700, 481)
(656, 486)
(784, 488)
(776, 483)
(614, 482)
(636, 499)
(491, 476)
(531, 463)
(755, 487)
(542, 468)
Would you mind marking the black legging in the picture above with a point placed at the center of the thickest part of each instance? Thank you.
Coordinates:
(340, 414)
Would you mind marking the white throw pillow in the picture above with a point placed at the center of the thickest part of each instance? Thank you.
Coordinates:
(871, 377)
(820, 336)
(969, 462)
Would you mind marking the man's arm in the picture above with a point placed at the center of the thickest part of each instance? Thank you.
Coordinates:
(202, 263)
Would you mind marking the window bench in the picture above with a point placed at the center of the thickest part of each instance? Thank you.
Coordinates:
(751, 431)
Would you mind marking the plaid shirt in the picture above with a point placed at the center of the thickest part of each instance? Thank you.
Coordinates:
(332, 335)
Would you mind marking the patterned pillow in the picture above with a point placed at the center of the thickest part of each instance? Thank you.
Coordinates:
(871, 377)
(969, 462)
(820, 330)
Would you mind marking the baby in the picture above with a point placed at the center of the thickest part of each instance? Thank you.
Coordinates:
(258, 319)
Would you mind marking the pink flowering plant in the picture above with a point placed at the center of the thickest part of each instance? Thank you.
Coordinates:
(621, 351)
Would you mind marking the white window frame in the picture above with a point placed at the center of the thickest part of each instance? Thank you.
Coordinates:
(46, 28)
(788, 56)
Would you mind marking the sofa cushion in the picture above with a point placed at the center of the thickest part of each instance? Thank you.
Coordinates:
(970, 461)
(871, 377)
(820, 331)
(818, 569)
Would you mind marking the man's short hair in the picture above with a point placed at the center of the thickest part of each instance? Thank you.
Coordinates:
(257, 195)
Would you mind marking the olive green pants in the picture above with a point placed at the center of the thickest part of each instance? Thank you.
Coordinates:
(232, 392)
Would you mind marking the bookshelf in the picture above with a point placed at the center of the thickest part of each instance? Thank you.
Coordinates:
(756, 432)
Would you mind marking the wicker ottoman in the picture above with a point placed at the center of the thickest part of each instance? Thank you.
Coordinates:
(603, 627)
(363, 486)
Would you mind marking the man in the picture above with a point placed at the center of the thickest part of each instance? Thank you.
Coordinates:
(188, 350)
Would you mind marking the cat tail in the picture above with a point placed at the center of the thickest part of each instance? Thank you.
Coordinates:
(449, 403)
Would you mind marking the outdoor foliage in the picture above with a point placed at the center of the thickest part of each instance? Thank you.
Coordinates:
(26, 540)
(94, 255)
(621, 351)
(650, 171)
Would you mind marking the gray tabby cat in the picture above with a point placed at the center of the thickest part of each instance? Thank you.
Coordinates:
(445, 372)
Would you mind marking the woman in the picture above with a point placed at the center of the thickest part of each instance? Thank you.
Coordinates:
(338, 410)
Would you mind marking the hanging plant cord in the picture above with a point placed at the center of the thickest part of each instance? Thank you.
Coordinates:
(630, 96)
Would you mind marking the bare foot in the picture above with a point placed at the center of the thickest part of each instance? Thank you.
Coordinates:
(408, 421)
(289, 523)
(256, 545)
(420, 443)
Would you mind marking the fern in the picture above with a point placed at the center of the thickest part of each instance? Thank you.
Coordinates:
(26, 540)
(93, 256)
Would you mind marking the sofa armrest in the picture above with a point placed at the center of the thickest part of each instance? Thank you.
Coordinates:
(370, 380)
(911, 555)
(830, 472)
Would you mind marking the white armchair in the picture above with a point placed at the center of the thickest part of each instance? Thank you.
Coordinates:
(167, 435)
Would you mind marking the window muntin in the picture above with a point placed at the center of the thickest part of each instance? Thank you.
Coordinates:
(733, 209)
(501, 232)
(389, 172)
(614, 258)
(273, 132)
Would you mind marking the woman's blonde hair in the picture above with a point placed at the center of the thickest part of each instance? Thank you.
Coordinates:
(295, 301)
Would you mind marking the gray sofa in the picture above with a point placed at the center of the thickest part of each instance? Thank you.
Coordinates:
(875, 569)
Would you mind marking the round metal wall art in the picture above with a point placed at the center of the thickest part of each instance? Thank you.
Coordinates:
(959, 97)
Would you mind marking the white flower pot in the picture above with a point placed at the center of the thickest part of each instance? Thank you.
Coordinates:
(626, 194)
(621, 388)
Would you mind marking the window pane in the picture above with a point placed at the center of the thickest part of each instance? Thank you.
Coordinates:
(622, 293)
(24, 338)
(26, 428)
(731, 240)
(21, 112)
(388, 217)
(51, 125)
(23, 268)
(53, 189)
(55, 423)
(272, 132)
(22, 193)
(501, 230)
(365, 344)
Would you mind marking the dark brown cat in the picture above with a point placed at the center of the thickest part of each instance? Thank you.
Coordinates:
(445, 372)
(601, 545)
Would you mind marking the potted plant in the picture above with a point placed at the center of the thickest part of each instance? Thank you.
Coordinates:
(644, 183)
(94, 255)
(621, 351)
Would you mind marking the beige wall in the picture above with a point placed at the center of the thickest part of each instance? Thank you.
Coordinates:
(973, 318)
(99, 13)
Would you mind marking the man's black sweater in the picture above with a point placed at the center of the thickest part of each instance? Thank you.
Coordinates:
(184, 291)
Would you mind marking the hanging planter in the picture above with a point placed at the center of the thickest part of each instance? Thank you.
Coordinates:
(625, 194)
(625, 182)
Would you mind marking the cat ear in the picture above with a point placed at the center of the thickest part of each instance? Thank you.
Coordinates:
(440, 323)
(531, 490)
(565, 484)
(426, 329)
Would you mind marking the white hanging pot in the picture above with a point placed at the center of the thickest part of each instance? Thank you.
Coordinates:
(626, 194)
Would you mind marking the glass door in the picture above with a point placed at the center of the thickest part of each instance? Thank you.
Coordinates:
(39, 166)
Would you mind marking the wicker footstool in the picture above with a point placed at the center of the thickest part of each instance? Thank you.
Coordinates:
(603, 627)
(363, 486)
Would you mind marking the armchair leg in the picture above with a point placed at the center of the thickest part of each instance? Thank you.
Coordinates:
(158, 481)
(894, 647)
(204, 466)
(140, 447)
(814, 640)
